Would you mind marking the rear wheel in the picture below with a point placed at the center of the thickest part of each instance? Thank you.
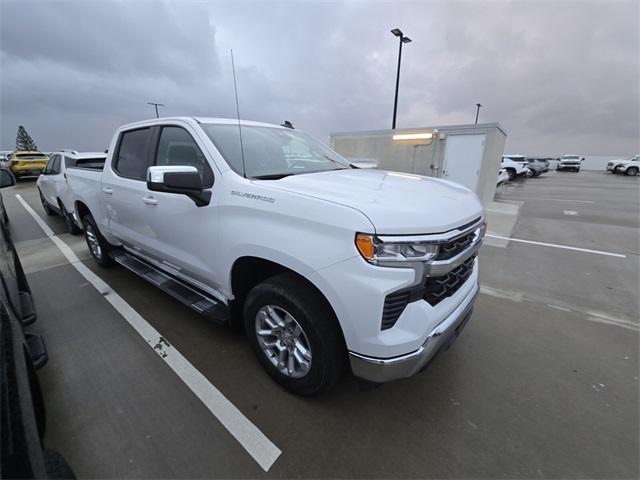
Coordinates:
(98, 245)
(45, 205)
(294, 334)
(633, 171)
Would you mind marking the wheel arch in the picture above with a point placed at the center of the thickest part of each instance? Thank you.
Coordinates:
(81, 209)
(248, 271)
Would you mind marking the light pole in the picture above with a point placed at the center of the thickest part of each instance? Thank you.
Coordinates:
(156, 105)
(478, 111)
(403, 39)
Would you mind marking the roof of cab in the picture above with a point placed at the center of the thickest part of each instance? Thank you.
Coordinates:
(221, 121)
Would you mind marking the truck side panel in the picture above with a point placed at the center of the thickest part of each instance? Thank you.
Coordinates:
(86, 189)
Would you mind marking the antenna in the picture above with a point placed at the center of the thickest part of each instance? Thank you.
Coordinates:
(235, 88)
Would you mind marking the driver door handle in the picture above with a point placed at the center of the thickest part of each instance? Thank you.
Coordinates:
(107, 191)
(149, 200)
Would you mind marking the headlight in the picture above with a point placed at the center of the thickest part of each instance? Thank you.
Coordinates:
(392, 253)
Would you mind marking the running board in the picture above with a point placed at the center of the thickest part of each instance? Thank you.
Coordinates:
(204, 304)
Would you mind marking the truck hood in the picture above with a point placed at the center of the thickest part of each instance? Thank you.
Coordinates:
(396, 203)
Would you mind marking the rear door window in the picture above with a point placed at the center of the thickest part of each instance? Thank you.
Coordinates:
(132, 157)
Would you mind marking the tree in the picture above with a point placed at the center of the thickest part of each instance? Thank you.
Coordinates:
(24, 140)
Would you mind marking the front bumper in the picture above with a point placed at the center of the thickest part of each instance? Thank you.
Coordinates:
(382, 370)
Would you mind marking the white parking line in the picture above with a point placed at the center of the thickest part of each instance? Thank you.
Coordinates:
(263, 451)
(558, 308)
(553, 245)
(558, 199)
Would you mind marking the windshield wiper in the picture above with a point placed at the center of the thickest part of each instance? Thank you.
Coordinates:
(272, 176)
(278, 176)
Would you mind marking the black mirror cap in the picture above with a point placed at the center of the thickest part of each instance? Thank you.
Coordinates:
(6, 178)
(184, 180)
(185, 183)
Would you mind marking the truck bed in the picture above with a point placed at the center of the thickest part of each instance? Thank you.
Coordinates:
(85, 184)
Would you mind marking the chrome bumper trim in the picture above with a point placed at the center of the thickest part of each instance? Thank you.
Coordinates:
(382, 370)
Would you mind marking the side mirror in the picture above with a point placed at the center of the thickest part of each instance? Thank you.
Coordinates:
(6, 178)
(179, 179)
(582, 159)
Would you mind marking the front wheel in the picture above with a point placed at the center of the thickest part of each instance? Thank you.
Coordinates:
(294, 334)
(633, 171)
(98, 245)
(512, 174)
(45, 205)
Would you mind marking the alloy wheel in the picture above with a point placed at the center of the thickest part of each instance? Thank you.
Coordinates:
(92, 241)
(283, 341)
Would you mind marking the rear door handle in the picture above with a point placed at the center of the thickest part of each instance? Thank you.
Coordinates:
(149, 200)
(107, 191)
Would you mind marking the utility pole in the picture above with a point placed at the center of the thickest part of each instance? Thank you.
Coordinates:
(477, 111)
(403, 39)
(156, 105)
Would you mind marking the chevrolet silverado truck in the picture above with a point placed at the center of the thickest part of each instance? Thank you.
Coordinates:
(570, 162)
(263, 226)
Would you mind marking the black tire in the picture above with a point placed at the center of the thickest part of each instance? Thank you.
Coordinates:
(318, 322)
(100, 251)
(512, 174)
(632, 171)
(68, 219)
(45, 205)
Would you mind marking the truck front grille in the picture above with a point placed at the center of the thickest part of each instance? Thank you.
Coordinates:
(454, 247)
(437, 289)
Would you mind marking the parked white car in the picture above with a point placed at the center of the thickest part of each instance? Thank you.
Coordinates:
(514, 169)
(631, 166)
(503, 177)
(570, 162)
(4, 155)
(53, 188)
(319, 260)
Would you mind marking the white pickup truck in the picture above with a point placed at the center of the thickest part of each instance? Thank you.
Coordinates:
(570, 162)
(263, 225)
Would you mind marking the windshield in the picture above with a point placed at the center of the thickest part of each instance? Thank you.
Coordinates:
(571, 157)
(272, 153)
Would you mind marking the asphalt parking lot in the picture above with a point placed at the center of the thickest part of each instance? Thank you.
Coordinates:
(543, 382)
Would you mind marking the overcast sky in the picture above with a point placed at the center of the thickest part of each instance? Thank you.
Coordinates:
(558, 76)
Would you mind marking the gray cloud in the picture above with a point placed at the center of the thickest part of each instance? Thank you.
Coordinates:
(559, 76)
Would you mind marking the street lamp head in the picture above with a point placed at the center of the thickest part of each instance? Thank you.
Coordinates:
(406, 40)
(397, 32)
(478, 105)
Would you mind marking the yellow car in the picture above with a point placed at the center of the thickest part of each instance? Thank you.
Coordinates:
(23, 163)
